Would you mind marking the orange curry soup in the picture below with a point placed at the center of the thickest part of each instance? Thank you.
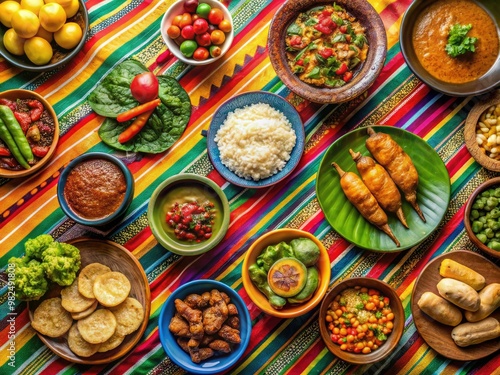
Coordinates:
(430, 36)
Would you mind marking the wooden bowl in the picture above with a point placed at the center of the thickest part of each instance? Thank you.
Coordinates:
(272, 238)
(470, 132)
(119, 259)
(28, 94)
(468, 208)
(437, 335)
(392, 339)
(377, 40)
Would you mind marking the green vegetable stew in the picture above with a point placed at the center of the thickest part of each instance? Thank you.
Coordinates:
(325, 46)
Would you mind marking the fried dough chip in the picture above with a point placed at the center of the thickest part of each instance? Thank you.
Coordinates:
(111, 343)
(129, 315)
(111, 288)
(78, 345)
(98, 326)
(87, 277)
(51, 318)
(73, 301)
(85, 313)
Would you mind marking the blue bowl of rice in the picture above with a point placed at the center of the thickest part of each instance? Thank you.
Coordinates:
(255, 139)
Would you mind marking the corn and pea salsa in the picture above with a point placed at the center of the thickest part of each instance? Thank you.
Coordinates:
(325, 46)
(360, 319)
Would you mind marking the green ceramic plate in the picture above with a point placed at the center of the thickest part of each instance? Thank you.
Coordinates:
(433, 192)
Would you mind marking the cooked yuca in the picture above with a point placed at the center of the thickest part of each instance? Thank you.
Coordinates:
(98, 326)
(87, 277)
(73, 300)
(51, 318)
(129, 315)
(111, 343)
(85, 313)
(78, 345)
(111, 288)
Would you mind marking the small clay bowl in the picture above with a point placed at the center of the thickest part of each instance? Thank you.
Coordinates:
(13, 95)
(120, 210)
(392, 339)
(494, 182)
(470, 132)
(362, 80)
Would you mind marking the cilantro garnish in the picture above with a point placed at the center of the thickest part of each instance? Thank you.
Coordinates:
(458, 42)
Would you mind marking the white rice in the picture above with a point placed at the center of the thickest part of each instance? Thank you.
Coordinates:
(255, 141)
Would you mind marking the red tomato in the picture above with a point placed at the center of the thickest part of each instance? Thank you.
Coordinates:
(347, 76)
(343, 29)
(326, 52)
(341, 70)
(203, 39)
(225, 25)
(215, 16)
(185, 20)
(217, 37)
(201, 53)
(144, 87)
(187, 32)
(173, 31)
(200, 26)
(190, 5)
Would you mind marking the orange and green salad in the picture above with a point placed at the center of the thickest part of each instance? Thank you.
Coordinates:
(325, 46)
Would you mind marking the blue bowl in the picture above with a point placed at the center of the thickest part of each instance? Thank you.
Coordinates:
(240, 101)
(216, 364)
(122, 209)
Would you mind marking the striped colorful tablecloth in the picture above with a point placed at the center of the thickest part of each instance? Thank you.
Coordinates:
(131, 29)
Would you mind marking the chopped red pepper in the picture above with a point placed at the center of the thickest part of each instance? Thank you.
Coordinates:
(8, 103)
(40, 151)
(24, 120)
(342, 69)
(36, 109)
(4, 151)
(326, 52)
(295, 40)
(343, 29)
(347, 76)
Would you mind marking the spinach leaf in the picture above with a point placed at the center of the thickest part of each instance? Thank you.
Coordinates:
(294, 29)
(164, 127)
(314, 73)
(112, 95)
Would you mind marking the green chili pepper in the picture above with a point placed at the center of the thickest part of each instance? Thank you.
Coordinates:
(17, 133)
(11, 144)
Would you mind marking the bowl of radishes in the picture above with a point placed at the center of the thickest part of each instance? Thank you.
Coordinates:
(197, 32)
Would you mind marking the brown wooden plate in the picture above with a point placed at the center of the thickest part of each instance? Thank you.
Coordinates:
(119, 259)
(437, 335)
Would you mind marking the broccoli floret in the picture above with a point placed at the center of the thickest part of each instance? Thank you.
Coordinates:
(36, 246)
(61, 262)
(29, 281)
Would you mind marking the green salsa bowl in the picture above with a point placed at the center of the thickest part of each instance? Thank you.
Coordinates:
(185, 189)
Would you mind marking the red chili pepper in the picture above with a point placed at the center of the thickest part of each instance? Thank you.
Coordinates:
(36, 109)
(326, 52)
(140, 109)
(135, 127)
(4, 151)
(347, 76)
(8, 103)
(24, 120)
(40, 151)
(341, 70)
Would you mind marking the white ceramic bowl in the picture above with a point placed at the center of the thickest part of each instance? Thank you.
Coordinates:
(178, 8)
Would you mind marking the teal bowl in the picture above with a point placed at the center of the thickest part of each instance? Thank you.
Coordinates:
(118, 213)
(182, 188)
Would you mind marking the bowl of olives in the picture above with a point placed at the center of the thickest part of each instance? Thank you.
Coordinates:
(482, 217)
(197, 32)
(286, 272)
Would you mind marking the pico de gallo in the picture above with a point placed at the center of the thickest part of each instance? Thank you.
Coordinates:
(325, 46)
(37, 127)
(191, 221)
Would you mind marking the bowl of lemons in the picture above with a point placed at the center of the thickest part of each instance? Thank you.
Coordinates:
(42, 35)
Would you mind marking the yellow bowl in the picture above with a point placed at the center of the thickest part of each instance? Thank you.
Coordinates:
(28, 94)
(272, 238)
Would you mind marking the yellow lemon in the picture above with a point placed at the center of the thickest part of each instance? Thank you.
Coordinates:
(13, 43)
(72, 8)
(52, 17)
(38, 50)
(63, 3)
(7, 9)
(69, 35)
(33, 5)
(25, 23)
(47, 35)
